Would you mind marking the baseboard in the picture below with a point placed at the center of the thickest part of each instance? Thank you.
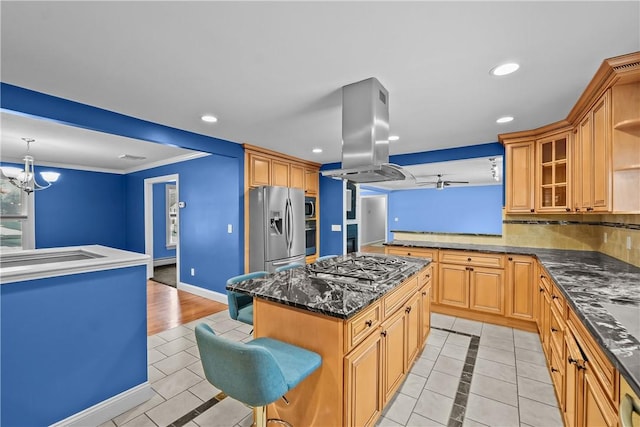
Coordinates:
(201, 292)
(164, 261)
(110, 408)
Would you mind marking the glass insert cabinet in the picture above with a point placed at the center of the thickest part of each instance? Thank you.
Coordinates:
(553, 172)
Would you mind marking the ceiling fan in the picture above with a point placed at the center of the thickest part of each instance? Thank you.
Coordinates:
(440, 183)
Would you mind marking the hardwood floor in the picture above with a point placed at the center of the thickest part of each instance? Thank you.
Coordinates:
(376, 249)
(169, 307)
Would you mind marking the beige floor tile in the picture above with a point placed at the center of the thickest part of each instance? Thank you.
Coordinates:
(454, 351)
(154, 355)
(442, 383)
(174, 333)
(459, 340)
(467, 326)
(155, 374)
(413, 385)
(174, 408)
(419, 421)
(204, 390)
(496, 370)
(449, 366)
(155, 340)
(176, 383)
(536, 390)
(495, 342)
(399, 408)
(124, 418)
(491, 412)
(497, 355)
(422, 367)
(430, 352)
(227, 413)
(533, 371)
(495, 389)
(442, 320)
(175, 362)
(436, 341)
(386, 422)
(140, 421)
(434, 406)
(496, 331)
(538, 414)
(175, 346)
(534, 357)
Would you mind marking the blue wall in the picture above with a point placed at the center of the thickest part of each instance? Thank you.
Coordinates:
(205, 244)
(454, 210)
(71, 342)
(331, 190)
(160, 222)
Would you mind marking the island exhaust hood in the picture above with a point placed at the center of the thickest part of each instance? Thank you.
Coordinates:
(365, 135)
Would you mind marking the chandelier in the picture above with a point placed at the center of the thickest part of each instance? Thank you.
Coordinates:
(494, 169)
(25, 179)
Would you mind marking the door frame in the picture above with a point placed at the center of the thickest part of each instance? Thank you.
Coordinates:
(386, 212)
(148, 220)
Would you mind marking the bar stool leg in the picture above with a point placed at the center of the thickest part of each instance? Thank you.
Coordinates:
(260, 416)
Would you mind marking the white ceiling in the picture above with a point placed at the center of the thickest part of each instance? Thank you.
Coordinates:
(272, 71)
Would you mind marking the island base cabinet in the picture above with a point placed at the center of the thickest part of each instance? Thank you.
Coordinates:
(394, 357)
(363, 377)
(425, 311)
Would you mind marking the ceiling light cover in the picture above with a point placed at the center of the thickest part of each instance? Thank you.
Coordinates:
(504, 69)
(505, 119)
(317, 150)
(25, 179)
(394, 138)
(209, 118)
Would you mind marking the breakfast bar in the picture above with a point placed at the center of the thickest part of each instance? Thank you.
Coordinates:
(366, 315)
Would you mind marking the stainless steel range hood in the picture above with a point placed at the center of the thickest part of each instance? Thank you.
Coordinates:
(365, 135)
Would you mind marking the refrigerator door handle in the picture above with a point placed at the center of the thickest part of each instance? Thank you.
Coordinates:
(291, 230)
(287, 225)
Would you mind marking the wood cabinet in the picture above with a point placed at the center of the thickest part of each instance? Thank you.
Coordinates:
(296, 176)
(552, 173)
(469, 283)
(520, 287)
(311, 178)
(414, 318)
(279, 173)
(592, 158)
(363, 379)
(259, 170)
(589, 161)
(394, 353)
(425, 310)
(519, 180)
(596, 409)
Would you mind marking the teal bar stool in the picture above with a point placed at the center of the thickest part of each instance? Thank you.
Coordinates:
(289, 266)
(241, 305)
(322, 258)
(255, 373)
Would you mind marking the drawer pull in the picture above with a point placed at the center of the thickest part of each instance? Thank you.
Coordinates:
(541, 289)
(554, 330)
(554, 296)
(468, 259)
(383, 333)
(554, 369)
(369, 323)
(428, 275)
(424, 293)
(628, 406)
(572, 360)
(510, 259)
(542, 276)
(589, 209)
(407, 310)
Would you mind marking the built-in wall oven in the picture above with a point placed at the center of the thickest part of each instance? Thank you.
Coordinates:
(310, 236)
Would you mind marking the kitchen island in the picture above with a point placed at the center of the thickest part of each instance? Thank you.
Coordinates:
(366, 315)
(74, 342)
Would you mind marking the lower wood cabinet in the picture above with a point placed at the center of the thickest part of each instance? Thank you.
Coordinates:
(394, 353)
(478, 288)
(520, 289)
(453, 285)
(596, 408)
(425, 310)
(363, 379)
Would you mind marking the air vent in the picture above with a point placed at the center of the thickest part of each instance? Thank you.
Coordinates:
(131, 157)
(626, 66)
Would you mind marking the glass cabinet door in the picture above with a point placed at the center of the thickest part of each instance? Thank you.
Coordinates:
(553, 184)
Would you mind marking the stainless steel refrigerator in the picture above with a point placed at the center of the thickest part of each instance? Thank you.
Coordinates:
(276, 227)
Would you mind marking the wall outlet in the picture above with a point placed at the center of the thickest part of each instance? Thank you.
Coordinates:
(193, 271)
(396, 219)
(229, 228)
(629, 243)
(336, 227)
(605, 237)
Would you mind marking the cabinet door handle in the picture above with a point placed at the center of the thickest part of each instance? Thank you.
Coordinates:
(533, 210)
(424, 294)
(541, 289)
(470, 268)
(407, 310)
(542, 276)
(554, 296)
(428, 276)
(589, 209)
(554, 369)
(408, 253)
(554, 330)
(383, 333)
(568, 209)
(510, 259)
(577, 209)
(368, 323)
(468, 259)
(572, 360)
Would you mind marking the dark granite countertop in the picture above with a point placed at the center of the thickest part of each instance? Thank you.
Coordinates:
(300, 288)
(603, 291)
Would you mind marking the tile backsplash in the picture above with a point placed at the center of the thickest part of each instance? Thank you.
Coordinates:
(581, 232)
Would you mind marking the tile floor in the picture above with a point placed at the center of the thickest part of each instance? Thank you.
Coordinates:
(469, 374)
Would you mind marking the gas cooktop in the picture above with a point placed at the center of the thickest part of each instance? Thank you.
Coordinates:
(360, 268)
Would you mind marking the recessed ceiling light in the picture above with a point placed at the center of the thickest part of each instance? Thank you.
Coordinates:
(131, 157)
(209, 118)
(394, 138)
(505, 119)
(504, 69)
(317, 150)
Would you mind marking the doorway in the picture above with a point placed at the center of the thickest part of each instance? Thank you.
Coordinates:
(373, 220)
(161, 228)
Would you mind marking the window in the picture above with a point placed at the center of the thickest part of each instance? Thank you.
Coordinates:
(16, 217)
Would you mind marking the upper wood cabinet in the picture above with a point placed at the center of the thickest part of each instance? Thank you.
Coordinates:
(520, 177)
(259, 170)
(279, 173)
(588, 162)
(266, 167)
(552, 173)
(311, 178)
(296, 176)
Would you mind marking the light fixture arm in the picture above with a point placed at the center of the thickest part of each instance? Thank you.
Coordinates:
(26, 179)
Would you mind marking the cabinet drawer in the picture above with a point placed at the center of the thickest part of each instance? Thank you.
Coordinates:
(361, 325)
(600, 364)
(425, 276)
(472, 258)
(545, 280)
(417, 252)
(556, 368)
(556, 333)
(558, 300)
(396, 298)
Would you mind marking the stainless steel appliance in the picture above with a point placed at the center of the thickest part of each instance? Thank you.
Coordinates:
(360, 269)
(309, 207)
(276, 227)
(310, 236)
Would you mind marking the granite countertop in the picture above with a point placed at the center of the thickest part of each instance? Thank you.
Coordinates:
(603, 291)
(301, 288)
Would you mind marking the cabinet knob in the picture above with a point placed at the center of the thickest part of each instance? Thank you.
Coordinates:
(368, 323)
(554, 330)
(542, 276)
(428, 275)
(568, 209)
(407, 310)
(554, 369)
(577, 209)
(510, 259)
(408, 253)
(424, 293)
(554, 297)
(383, 333)
(470, 268)
(572, 360)
(533, 210)
(589, 209)
(468, 259)
(541, 289)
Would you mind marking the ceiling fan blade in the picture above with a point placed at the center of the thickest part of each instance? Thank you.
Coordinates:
(455, 182)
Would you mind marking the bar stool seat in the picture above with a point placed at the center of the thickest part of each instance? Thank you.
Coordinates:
(241, 305)
(256, 373)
